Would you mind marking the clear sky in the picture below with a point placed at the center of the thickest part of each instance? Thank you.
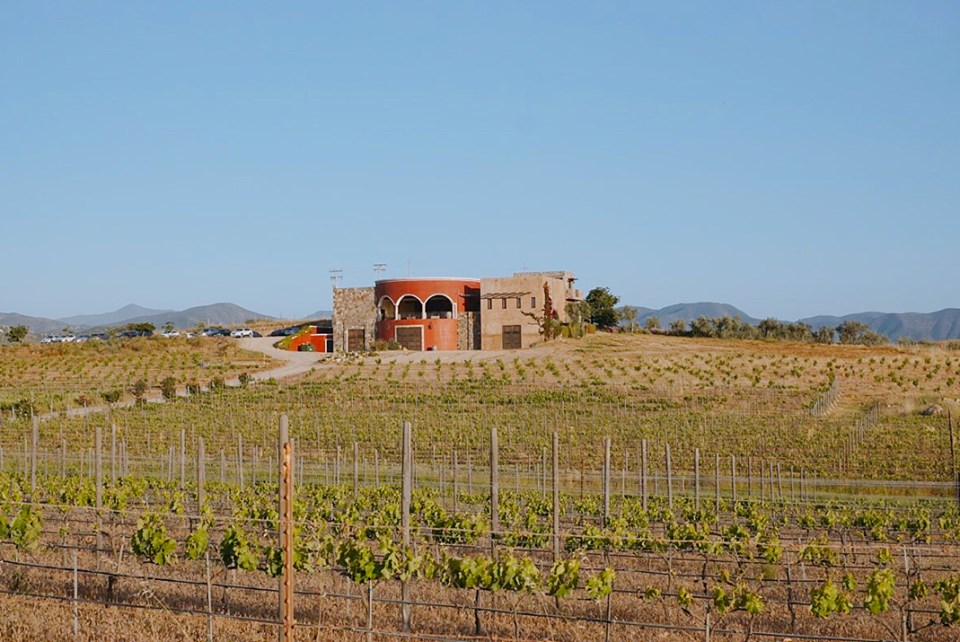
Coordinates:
(790, 158)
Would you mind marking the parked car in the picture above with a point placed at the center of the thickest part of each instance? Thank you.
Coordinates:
(132, 334)
(171, 334)
(286, 332)
(242, 333)
(215, 332)
(58, 338)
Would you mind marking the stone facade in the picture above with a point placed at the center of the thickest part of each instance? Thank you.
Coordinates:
(468, 331)
(354, 309)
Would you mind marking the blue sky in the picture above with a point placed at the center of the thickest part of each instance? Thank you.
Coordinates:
(790, 158)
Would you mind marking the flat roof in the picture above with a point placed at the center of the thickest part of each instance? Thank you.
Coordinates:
(429, 278)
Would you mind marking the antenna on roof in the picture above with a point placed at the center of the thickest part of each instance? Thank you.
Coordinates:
(335, 275)
(379, 268)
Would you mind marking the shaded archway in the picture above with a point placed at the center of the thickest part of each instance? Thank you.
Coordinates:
(386, 309)
(440, 306)
(409, 307)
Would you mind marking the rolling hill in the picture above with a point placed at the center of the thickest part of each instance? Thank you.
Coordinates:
(214, 314)
(125, 313)
(936, 326)
(690, 311)
(36, 325)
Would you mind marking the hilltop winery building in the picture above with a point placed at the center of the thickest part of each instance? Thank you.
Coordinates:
(444, 313)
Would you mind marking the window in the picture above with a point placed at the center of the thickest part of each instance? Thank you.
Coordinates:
(504, 301)
(533, 303)
(489, 304)
(518, 303)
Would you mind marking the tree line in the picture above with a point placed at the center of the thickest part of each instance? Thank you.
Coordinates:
(727, 327)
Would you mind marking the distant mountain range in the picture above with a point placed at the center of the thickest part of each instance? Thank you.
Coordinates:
(935, 326)
(215, 314)
(125, 313)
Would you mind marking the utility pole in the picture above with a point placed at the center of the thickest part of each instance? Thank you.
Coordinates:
(379, 268)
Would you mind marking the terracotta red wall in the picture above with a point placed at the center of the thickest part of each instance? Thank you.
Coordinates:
(318, 341)
(459, 290)
(438, 334)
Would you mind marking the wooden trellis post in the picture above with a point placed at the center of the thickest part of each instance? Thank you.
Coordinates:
(669, 476)
(33, 457)
(696, 476)
(606, 480)
(494, 487)
(556, 497)
(406, 496)
(643, 473)
(201, 474)
(286, 531)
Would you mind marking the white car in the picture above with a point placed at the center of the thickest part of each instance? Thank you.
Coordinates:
(171, 334)
(242, 333)
(56, 338)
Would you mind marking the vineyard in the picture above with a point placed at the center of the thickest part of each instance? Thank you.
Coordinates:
(615, 488)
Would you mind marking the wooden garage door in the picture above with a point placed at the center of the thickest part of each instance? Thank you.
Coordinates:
(355, 342)
(410, 337)
(511, 337)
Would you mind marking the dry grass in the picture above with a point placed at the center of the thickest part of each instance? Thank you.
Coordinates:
(56, 376)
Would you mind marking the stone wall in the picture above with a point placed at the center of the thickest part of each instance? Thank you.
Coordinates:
(353, 308)
(468, 331)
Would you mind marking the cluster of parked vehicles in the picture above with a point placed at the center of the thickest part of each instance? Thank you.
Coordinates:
(237, 333)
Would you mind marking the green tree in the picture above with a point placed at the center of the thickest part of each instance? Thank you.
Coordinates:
(602, 308)
(770, 328)
(168, 388)
(168, 326)
(701, 327)
(139, 390)
(678, 327)
(653, 323)
(824, 334)
(17, 333)
(851, 331)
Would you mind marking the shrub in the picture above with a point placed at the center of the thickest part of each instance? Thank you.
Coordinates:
(168, 388)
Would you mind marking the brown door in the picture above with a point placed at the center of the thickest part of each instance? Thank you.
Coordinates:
(355, 340)
(410, 337)
(511, 337)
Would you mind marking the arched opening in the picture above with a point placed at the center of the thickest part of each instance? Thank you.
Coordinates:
(409, 307)
(386, 310)
(439, 306)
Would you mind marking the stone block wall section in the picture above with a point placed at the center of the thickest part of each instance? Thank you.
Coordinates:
(354, 309)
(468, 331)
